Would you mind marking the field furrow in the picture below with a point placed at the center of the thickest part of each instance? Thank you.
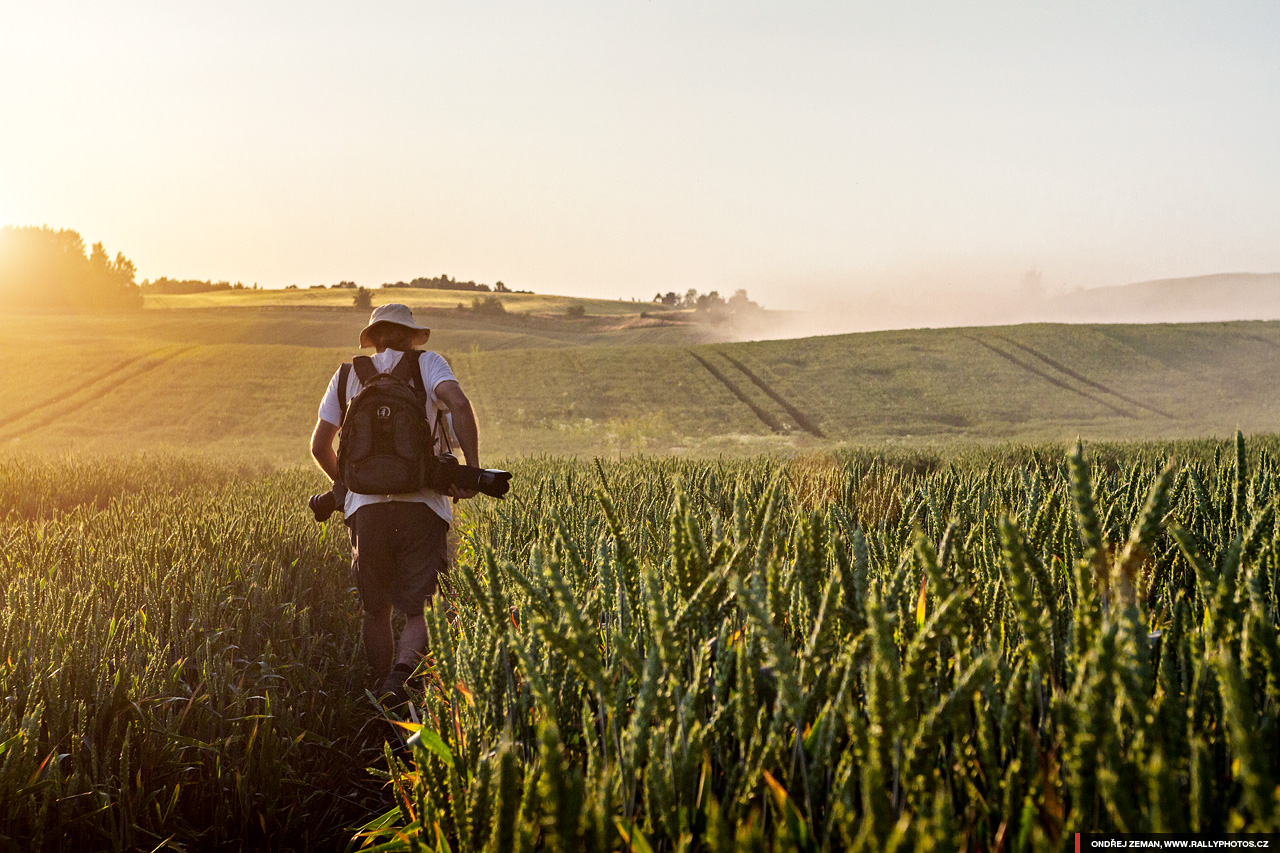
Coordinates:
(67, 403)
(765, 418)
(1053, 380)
(802, 420)
(1260, 339)
(1062, 368)
(84, 386)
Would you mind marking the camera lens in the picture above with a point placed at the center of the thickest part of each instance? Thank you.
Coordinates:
(322, 505)
(493, 482)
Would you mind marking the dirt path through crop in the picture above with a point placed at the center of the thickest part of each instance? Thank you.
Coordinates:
(767, 419)
(801, 419)
(1030, 368)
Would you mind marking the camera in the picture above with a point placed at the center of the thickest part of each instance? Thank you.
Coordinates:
(448, 471)
(327, 503)
(444, 472)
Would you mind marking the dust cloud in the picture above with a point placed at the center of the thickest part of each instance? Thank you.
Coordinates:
(1212, 298)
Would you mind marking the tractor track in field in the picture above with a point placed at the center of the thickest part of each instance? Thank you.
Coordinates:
(50, 417)
(1062, 368)
(765, 418)
(1261, 340)
(83, 386)
(802, 420)
(1053, 380)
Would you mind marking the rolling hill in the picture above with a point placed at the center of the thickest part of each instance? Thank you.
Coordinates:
(1226, 296)
(1211, 298)
(245, 379)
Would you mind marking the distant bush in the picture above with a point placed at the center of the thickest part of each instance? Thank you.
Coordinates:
(44, 269)
(363, 298)
(490, 305)
(576, 312)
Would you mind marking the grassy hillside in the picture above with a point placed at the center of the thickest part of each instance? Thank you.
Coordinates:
(246, 380)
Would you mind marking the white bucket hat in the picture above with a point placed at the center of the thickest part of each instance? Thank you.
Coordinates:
(398, 314)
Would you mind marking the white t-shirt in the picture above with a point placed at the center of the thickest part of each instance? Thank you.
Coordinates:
(434, 371)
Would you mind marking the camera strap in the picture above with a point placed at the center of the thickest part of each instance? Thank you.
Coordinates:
(441, 429)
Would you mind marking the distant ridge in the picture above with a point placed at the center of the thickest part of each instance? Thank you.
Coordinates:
(1193, 299)
(1223, 296)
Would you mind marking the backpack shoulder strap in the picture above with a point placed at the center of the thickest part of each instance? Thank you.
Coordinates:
(365, 370)
(409, 370)
(344, 380)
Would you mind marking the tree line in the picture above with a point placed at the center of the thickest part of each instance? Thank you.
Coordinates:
(47, 269)
(444, 282)
(712, 301)
(166, 285)
(441, 282)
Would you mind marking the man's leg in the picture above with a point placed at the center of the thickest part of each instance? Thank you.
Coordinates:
(379, 643)
(371, 561)
(421, 555)
(413, 641)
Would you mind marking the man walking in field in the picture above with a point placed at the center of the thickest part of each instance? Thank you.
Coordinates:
(398, 547)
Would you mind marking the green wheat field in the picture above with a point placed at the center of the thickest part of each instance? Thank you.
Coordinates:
(860, 592)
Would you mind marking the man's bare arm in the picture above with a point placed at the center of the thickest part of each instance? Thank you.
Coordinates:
(464, 419)
(322, 448)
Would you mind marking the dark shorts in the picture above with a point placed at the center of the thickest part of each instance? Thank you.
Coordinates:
(398, 551)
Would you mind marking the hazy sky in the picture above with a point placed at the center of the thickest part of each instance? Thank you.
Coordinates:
(617, 149)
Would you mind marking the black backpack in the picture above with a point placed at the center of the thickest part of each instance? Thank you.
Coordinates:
(386, 443)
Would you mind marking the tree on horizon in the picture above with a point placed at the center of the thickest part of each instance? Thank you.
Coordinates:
(47, 269)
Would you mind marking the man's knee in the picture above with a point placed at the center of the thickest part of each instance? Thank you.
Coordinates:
(377, 612)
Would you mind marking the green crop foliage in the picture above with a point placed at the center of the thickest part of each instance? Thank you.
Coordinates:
(677, 655)
(870, 651)
(176, 660)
